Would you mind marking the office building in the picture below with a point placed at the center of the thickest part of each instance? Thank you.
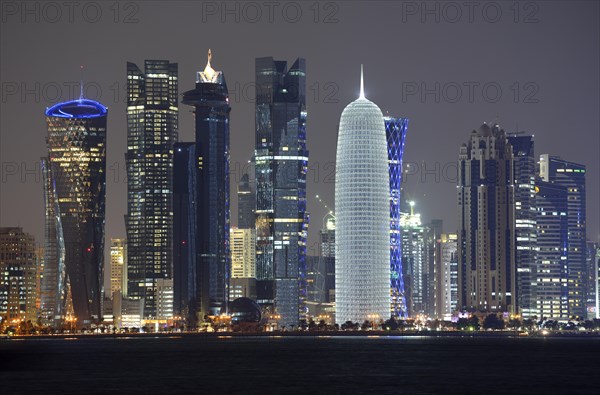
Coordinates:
(118, 267)
(446, 282)
(246, 203)
(210, 102)
(395, 129)
(152, 122)
(75, 188)
(414, 260)
(362, 205)
(281, 161)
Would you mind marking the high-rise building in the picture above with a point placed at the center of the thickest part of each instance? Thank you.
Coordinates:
(152, 122)
(362, 205)
(486, 238)
(525, 226)
(118, 267)
(433, 233)
(185, 270)
(327, 259)
(281, 161)
(446, 282)
(18, 277)
(552, 250)
(246, 203)
(591, 280)
(75, 182)
(210, 100)
(571, 175)
(395, 129)
(243, 253)
(414, 260)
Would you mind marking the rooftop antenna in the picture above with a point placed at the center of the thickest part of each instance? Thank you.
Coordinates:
(362, 84)
(81, 82)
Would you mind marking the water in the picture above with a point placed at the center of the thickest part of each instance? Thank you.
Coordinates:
(309, 365)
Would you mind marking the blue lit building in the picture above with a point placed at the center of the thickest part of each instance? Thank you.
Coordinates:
(75, 192)
(571, 175)
(525, 223)
(281, 161)
(184, 232)
(210, 100)
(395, 129)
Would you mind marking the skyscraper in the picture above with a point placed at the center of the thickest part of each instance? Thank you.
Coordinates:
(552, 254)
(185, 273)
(446, 282)
(246, 203)
(75, 182)
(395, 129)
(18, 275)
(118, 267)
(362, 204)
(152, 121)
(486, 237)
(281, 161)
(571, 175)
(414, 260)
(525, 227)
(210, 100)
(591, 280)
(243, 253)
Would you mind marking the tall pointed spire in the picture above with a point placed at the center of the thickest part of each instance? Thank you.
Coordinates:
(81, 82)
(362, 84)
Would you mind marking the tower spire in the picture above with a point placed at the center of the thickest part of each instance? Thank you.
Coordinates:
(81, 82)
(362, 84)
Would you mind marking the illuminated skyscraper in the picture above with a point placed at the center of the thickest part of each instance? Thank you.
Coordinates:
(18, 275)
(362, 206)
(210, 101)
(571, 175)
(75, 182)
(152, 121)
(552, 250)
(243, 253)
(414, 260)
(525, 228)
(395, 129)
(446, 282)
(118, 267)
(486, 238)
(281, 160)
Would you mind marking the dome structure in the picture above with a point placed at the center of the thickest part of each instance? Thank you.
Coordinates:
(362, 249)
(244, 310)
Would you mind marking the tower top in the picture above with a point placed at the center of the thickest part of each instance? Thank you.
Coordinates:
(362, 84)
(209, 74)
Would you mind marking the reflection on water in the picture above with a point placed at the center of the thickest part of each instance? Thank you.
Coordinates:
(320, 364)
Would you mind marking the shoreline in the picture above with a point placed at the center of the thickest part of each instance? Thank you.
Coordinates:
(324, 334)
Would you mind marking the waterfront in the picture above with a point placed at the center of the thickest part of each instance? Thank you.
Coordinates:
(317, 364)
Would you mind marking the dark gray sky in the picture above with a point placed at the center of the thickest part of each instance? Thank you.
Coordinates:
(543, 56)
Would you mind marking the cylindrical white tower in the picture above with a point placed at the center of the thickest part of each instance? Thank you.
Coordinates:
(362, 246)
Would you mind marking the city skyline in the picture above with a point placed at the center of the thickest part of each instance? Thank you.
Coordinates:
(450, 120)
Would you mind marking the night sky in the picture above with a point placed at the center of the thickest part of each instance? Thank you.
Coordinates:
(544, 56)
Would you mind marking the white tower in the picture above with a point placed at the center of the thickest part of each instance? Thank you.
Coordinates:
(362, 246)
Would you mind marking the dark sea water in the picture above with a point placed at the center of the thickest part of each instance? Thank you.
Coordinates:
(307, 365)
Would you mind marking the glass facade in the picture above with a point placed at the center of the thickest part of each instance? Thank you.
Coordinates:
(152, 122)
(414, 259)
(210, 101)
(571, 175)
(184, 232)
(395, 129)
(525, 228)
(486, 237)
(281, 161)
(362, 207)
(552, 254)
(246, 203)
(75, 182)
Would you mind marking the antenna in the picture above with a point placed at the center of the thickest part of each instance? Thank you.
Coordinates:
(81, 82)
(362, 84)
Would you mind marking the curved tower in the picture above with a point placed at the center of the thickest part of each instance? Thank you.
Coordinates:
(362, 256)
(75, 186)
